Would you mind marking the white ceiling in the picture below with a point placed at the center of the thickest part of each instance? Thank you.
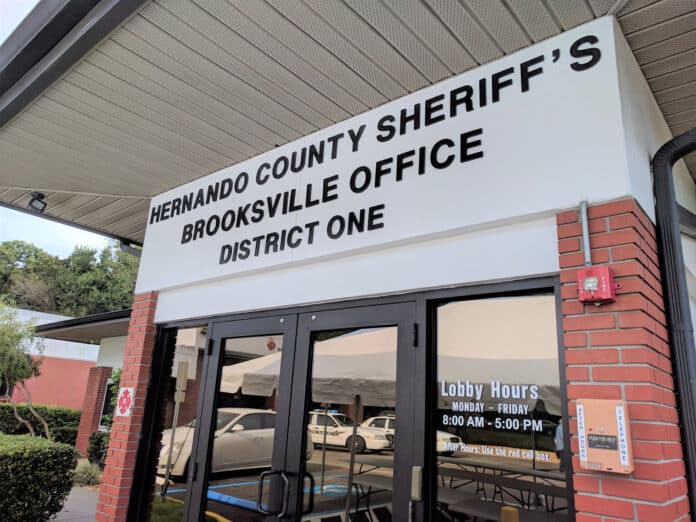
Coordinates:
(187, 87)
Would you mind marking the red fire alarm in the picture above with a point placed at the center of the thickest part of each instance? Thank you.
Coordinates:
(596, 285)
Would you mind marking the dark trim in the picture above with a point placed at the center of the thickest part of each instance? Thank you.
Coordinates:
(36, 35)
(63, 54)
(150, 435)
(687, 221)
(69, 223)
(91, 320)
(681, 329)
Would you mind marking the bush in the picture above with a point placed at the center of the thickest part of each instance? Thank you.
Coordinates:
(96, 451)
(87, 474)
(62, 422)
(37, 476)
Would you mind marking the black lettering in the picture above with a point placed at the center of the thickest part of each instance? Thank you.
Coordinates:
(213, 191)
(466, 144)
(334, 232)
(176, 207)
(257, 245)
(155, 214)
(382, 168)
(498, 84)
(403, 162)
(244, 250)
(226, 187)
(309, 202)
(228, 219)
(433, 106)
(200, 199)
(257, 211)
(355, 136)
(295, 164)
(225, 254)
(333, 140)
(186, 202)
(294, 206)
(407, 118)
(186, 233)
(198, 229)
(242, 182)
(329, 189)
(592, 53)
(213, 225)
(316, 154)
(386, 125)
(356, 221)
(482, 92)
(280, 167)
(165, 210)
(242, 215)
(294, 243)
(357, 189)
(271, 242)
(311, 227)
(260, 179)
(374, 216)
(445, 142)
(273, 204)
(527, 72)
(456, 100)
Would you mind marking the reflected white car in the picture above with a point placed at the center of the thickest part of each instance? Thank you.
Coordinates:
(243, 440)
(339, 432)
(444, 441)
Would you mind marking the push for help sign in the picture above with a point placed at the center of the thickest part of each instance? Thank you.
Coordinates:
(491, 144)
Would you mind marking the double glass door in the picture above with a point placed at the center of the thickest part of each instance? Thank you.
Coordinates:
(307, 416)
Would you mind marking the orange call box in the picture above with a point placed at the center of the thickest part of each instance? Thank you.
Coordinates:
(604, 436)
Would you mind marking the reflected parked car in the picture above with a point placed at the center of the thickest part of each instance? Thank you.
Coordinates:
(339, 432)
(445, 442)
(243, 440)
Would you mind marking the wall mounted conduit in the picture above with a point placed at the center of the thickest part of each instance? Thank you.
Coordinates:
(681, 331)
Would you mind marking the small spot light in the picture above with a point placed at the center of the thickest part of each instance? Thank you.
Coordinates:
(37, 203)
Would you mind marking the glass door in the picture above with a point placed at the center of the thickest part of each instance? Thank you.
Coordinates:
(353, 414)
(238, 470)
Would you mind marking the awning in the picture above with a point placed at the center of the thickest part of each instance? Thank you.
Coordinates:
(89, 329)
(134, 98)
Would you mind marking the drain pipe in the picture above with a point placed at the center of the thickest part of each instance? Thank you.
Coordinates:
(681, 332)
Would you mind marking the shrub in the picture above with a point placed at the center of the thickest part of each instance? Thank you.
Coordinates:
(96, 451)
(87, 474)
(37, 476)
(62, 422)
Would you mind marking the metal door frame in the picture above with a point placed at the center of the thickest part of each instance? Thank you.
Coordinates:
(280, 324)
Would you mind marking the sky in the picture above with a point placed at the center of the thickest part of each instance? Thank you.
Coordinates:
(53, 237)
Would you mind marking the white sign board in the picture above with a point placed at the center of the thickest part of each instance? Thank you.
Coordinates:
(492, 144)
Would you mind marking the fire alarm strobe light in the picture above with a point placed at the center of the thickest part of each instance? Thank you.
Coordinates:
(596, 285)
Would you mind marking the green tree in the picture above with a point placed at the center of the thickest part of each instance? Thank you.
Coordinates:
(16, 363)
(84, 283)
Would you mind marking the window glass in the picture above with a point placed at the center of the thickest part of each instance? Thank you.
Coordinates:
(378, 423)
(223, 419)
(499, 436)
(251, 422)
(323, 420)
(269, 421)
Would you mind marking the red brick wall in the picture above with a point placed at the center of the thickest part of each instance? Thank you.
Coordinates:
(125, 431)
(62, 382)
(92, 406)
(620, 351)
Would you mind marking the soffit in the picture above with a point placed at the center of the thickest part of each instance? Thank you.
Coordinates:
(187, 87)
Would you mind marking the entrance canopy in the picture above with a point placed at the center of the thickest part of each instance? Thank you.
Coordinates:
(108, 103)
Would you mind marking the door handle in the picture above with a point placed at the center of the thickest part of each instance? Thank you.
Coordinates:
(286, 493)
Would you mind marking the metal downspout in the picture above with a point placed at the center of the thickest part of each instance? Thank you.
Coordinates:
(676, 295)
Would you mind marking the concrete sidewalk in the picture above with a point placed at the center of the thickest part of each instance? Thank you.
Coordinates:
(80, 506)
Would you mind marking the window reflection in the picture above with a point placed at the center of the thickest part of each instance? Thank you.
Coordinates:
(499, 437)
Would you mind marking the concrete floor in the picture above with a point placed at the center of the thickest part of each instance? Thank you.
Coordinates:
(81, 505)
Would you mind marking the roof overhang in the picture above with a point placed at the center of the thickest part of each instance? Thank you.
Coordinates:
(90, 329)
(122, 100)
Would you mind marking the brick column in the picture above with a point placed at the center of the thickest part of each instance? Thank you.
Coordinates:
(92, 406)
(125, 431)
(620, 351)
